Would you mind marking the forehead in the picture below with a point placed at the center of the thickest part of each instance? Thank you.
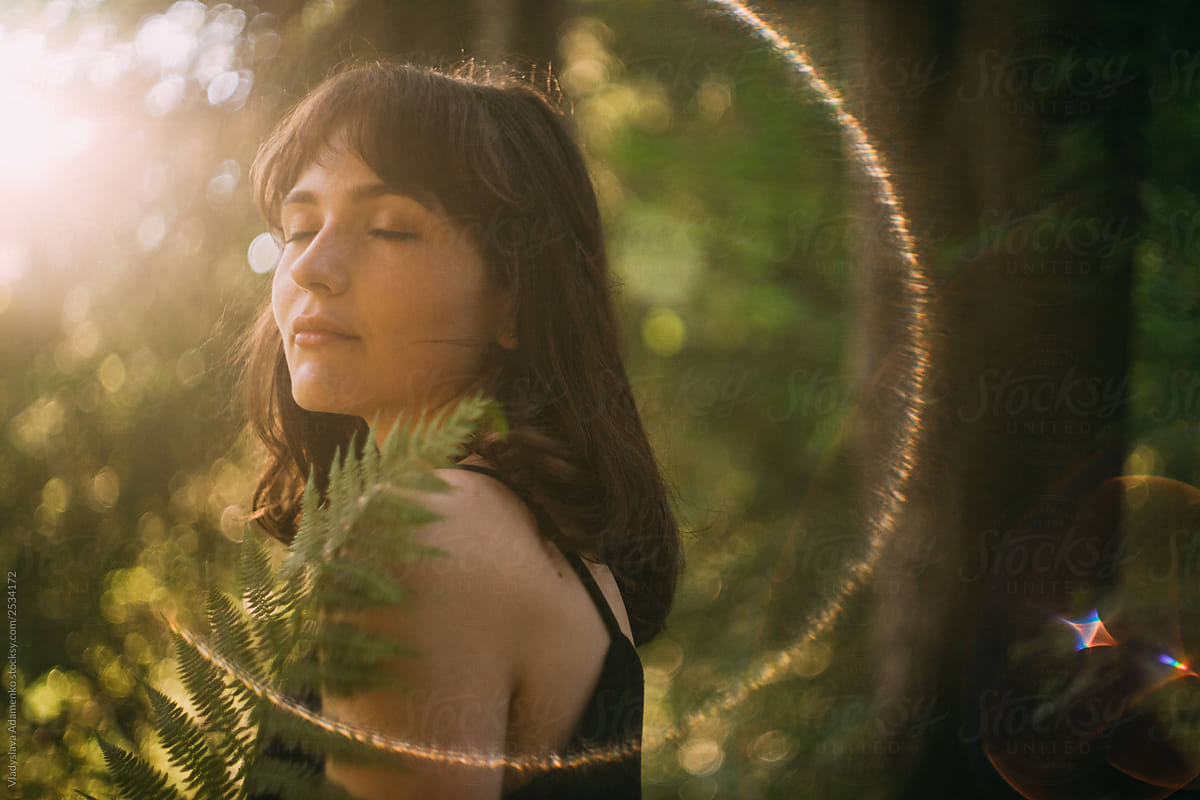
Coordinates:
(340, 173)
(336, 163)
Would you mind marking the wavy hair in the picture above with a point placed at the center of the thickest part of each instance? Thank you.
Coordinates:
(500, 157)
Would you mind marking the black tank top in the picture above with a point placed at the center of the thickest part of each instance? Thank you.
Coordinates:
(612, 719)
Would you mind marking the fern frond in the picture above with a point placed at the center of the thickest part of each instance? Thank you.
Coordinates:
(370, 461)
(434, 438)
(134, 777)
(213, 698)
(231, 635)
(188, 749)
(346, 586)
(354, 659)
(305, 549)
(254, 572)
(386, 535)
(343, 494)
(291, 595)
(230, 632)
(291, 633)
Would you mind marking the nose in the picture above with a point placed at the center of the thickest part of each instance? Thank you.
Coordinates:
(321, 267)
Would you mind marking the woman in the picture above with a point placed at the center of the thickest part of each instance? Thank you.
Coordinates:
(441, 235)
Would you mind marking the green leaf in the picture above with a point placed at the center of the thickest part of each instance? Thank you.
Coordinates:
(255, 573)
(230, 632)
(189, 749)
(136, 779)
(210, 693)
(342, 561)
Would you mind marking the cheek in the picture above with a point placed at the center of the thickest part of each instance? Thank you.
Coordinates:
(278, 298)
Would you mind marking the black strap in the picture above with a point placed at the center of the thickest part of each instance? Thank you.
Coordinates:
(574, 559)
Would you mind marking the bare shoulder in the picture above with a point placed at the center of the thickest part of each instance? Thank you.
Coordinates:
(497, 555)
(455, 687)
(549, 595)
(489, 535)
(484, 510)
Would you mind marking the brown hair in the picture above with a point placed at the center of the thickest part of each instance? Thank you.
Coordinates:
(500, 158)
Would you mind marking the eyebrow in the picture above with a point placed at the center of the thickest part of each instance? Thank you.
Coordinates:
(364, 191)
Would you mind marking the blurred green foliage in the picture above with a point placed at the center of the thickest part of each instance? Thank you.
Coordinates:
(124, 281)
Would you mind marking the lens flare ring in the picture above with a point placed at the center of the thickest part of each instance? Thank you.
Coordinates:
(856, 573)
(392, 745)
(916, 350)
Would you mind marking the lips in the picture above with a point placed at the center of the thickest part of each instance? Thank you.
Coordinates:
(320, 326)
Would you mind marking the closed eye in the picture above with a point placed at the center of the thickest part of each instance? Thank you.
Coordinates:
(393, 235)
(296, 236)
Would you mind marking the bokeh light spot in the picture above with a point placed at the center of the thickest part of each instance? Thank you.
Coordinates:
(151, 528)
(56, 495)
(701, 755)
(116, 680)
(165, 42)
(713, 98)
(86, 339)
(45, 698)
(164, 96)
(769, 747)
(663, 332)
(111, 373)
(106, 487)
(220, 190)
(812, 659)
(40, 421)
(151, 230)
(263, 253)
(223, 87)
(318, 14)
(665, 657)
(1144, 460)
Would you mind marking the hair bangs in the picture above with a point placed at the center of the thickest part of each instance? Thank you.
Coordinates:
(396, 123)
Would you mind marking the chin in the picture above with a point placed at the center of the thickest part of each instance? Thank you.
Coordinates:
(320, 402)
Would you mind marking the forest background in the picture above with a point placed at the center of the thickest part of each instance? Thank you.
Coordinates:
(1046, 160)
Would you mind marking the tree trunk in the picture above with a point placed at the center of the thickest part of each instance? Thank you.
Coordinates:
(1030, 316)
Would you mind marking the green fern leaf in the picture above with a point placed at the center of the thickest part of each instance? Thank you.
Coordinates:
(232, 636)
(136, 779)
(189, 749)
(214, 699)
(342, 561)
(305, 549)
(230, 632)
(346, 586)
(254, 568)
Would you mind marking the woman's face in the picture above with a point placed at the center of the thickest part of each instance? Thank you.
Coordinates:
(403, 290)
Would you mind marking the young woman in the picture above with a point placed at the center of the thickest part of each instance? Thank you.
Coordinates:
(441, 235)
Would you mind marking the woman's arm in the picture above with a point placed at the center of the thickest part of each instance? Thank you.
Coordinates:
(461, 621)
